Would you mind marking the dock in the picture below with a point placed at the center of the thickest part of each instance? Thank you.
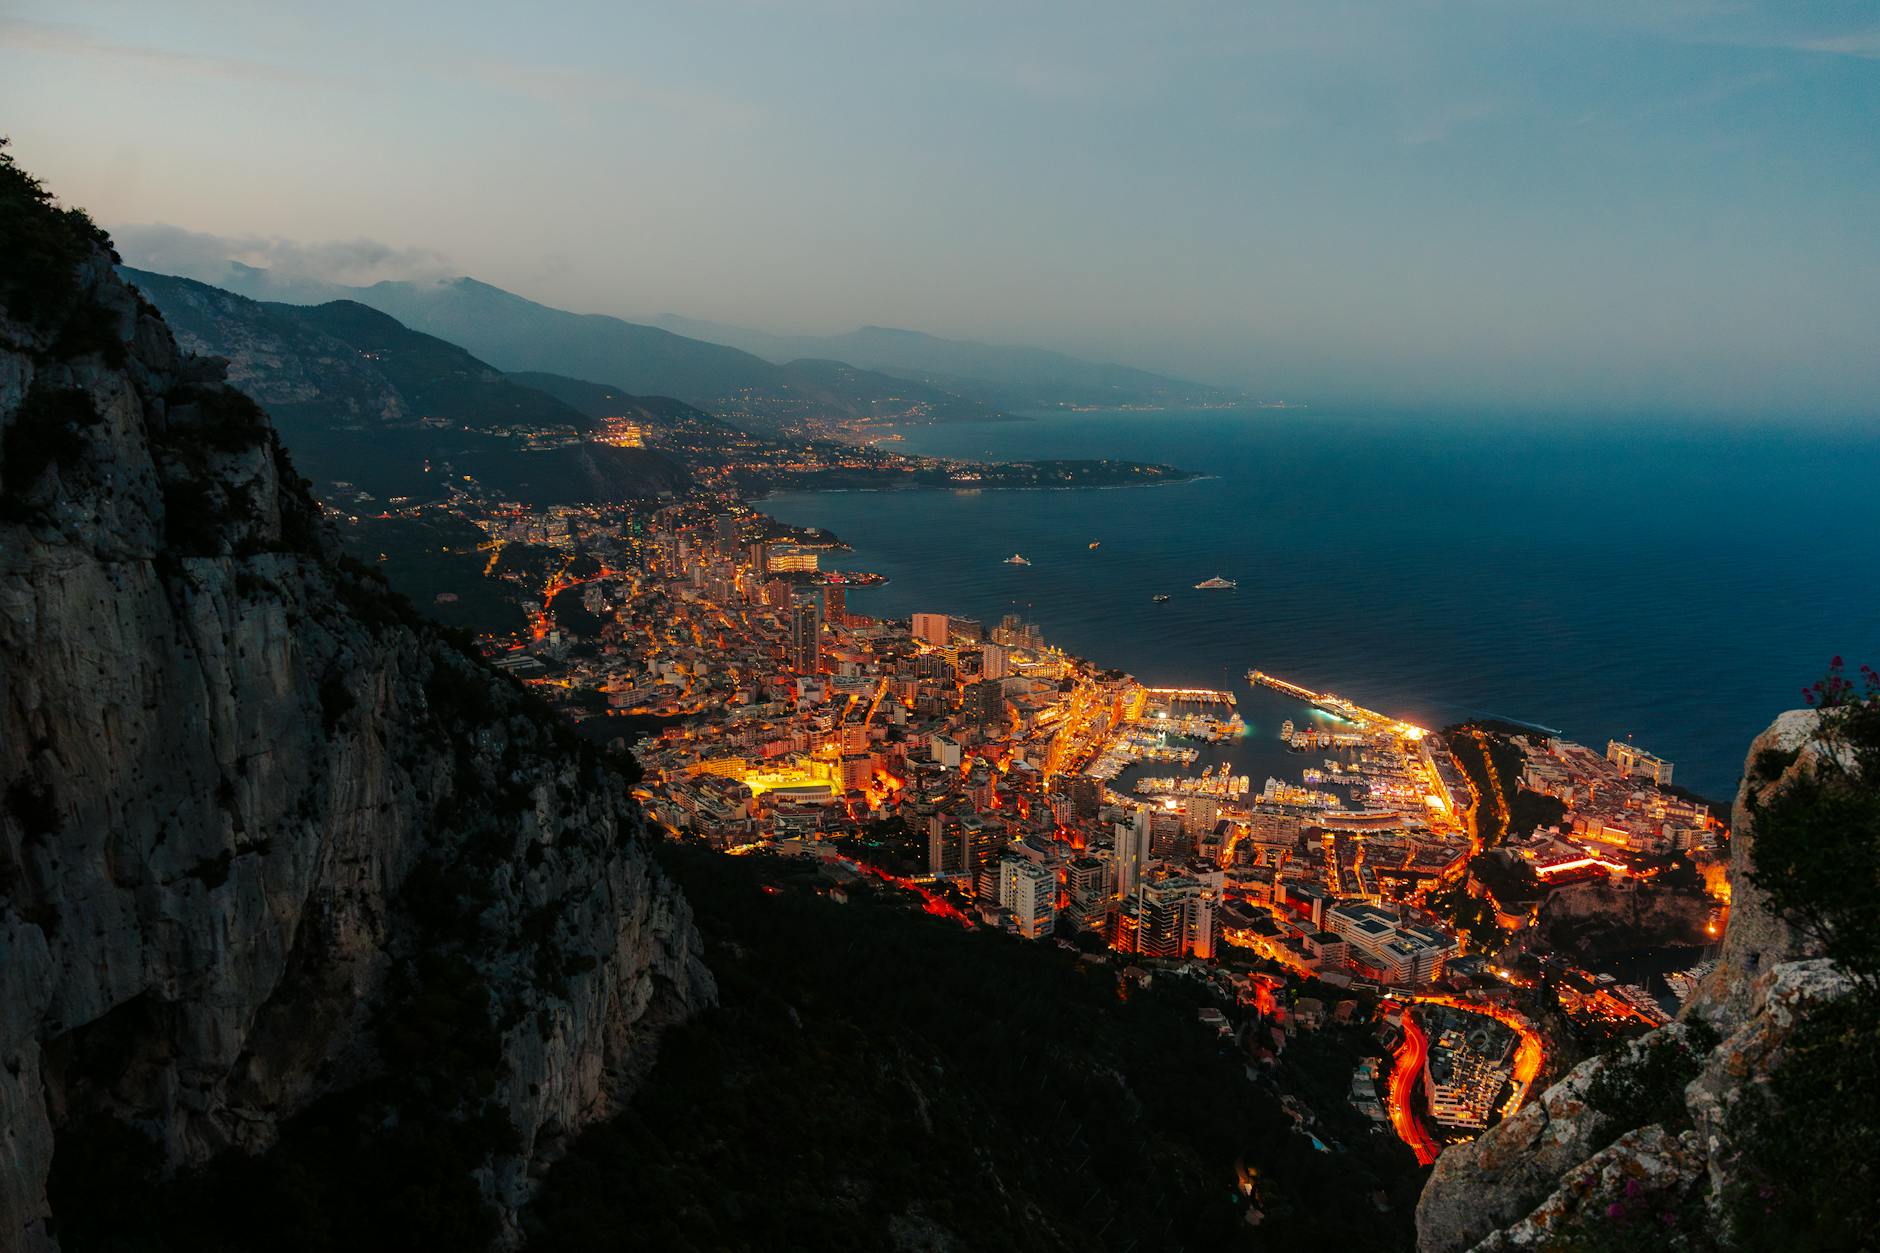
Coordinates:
(1198, 695)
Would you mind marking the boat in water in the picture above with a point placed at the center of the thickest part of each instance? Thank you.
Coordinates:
(1095, 544)
(1217, 583)
(1016, 560)
(1160, 598)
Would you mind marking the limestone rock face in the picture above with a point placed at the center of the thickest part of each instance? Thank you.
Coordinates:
(224, 753)
(1529, 1180)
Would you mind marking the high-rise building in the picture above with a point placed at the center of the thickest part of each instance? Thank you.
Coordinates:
(1132, 851)
(858, 771)
(1201, 922)
(1167, 840)
(835, 606)
(1155, 916)
(965, 630)
(725, 533)
(984, 704)
(1028, 891)
(1168, 916)
(1200, 813)
(994, 661)
(1087, 900)
(806, 636)
(943, 842)
(931, 628)
(980, 842)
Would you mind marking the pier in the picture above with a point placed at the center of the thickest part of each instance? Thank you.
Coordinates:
(1261, 678)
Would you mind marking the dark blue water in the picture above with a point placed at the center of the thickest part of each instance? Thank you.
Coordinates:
(1677, 583)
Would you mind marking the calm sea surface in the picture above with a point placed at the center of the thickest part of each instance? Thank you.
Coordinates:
(1675, 583)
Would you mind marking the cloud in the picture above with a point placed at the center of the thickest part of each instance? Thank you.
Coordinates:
(350, 262)
(77, 41)
(1853, 44)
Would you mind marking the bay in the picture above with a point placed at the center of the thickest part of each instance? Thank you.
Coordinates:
(1678, 583)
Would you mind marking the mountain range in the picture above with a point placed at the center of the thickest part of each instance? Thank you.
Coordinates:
(776, 384)
(1009, 377)
(366, 401)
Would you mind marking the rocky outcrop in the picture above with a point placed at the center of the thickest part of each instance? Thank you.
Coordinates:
(248, 795)
(1561, 1163)
(1603, 917)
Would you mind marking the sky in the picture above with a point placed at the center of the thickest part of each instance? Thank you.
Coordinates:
(1515, 205)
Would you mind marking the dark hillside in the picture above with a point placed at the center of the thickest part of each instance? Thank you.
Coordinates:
(877, 1078)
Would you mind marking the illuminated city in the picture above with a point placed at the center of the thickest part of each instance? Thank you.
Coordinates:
(1006, 784)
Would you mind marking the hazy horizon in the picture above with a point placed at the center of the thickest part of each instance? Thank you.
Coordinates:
(1555, 206)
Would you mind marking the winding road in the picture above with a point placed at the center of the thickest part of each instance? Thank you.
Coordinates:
(1412, 1053)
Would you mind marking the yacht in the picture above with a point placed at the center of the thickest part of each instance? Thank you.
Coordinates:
(1160, 598)
(1095, 543)
(1016, 560)
(1216, 583)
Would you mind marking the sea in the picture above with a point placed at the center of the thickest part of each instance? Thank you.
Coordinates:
(1675, 583)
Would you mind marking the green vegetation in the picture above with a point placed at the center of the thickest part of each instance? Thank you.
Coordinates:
(1635, 1091)
(1474, 916)
(1806, 1140)
(1811, 1139)
(1489, 757)
(873, 1071)
(44, 247)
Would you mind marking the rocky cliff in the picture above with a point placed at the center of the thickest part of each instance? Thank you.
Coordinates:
(1576, 1165)
(266, 835)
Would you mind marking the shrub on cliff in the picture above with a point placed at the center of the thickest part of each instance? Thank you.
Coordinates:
(1810, 1138)
(44, 247)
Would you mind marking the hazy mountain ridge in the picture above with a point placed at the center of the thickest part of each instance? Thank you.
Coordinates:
(361, 398)
(517, 334)
(1011, 376)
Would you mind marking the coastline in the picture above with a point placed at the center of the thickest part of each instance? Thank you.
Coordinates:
(1186, 478)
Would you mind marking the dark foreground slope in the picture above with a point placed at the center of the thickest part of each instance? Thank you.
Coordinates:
(877, 1078)
(280, 865)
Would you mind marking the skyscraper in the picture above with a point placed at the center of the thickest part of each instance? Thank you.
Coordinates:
(835, 605)
(1132, 850)
(806, 636)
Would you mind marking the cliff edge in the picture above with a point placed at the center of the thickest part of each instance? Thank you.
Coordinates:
(267, 837)
(1642, 1139)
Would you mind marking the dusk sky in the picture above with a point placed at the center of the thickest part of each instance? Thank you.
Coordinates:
(1619, 206)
